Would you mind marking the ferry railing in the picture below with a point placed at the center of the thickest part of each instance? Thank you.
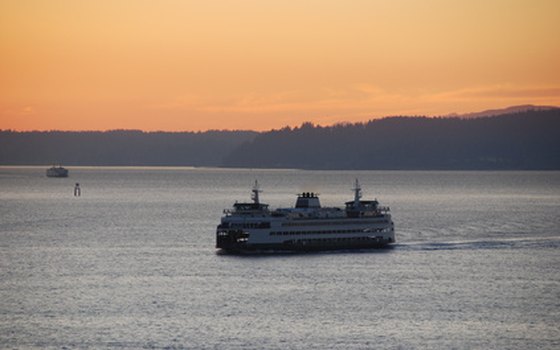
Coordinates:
(383, 209)
(230, 212)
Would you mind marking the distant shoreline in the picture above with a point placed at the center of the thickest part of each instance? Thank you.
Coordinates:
(527, 140)
(140, 167)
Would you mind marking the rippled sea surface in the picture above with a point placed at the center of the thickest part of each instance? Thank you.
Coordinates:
(132, 264)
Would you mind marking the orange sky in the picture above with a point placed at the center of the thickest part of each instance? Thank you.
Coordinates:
(260, 64)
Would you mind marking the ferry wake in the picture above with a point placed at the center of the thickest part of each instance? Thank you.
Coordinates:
(306, 227)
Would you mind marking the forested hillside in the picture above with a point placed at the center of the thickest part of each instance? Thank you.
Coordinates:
(524, 140)
(527, 140)
(119, 147)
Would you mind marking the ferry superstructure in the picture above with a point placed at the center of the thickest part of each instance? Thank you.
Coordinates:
(253, 226)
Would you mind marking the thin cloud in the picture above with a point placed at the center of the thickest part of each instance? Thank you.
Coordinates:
(501, 91)
(359, 102)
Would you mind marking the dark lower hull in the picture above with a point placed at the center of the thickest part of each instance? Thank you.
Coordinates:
(306, 246)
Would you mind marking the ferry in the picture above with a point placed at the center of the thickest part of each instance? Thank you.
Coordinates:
(253, 226)
(57, 171)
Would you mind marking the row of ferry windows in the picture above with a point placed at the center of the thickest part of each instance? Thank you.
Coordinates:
(338, 239)
(316, 223)
(288, 233)
(251, 225)
(267, 224)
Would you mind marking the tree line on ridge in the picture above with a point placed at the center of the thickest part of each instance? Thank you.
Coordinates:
(523, 140)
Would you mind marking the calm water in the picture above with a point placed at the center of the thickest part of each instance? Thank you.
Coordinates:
(132, 264)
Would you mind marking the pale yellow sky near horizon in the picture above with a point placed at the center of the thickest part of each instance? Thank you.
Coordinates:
(247, 64)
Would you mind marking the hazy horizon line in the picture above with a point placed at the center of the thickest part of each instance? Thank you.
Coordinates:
(498, 111)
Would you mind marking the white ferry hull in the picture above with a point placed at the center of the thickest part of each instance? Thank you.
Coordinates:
(285, 235)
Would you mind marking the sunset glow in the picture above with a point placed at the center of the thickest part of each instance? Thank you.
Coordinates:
(257, 64)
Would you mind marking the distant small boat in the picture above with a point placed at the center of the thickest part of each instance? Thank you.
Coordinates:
(57, 171)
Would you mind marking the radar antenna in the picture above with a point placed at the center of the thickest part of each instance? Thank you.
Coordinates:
(256, 190)
(357, 193)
